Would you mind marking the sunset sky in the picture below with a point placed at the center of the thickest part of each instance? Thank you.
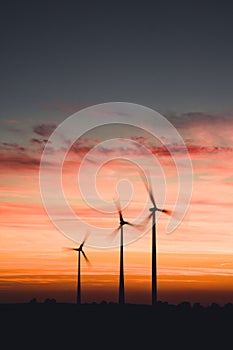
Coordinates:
(173, 57)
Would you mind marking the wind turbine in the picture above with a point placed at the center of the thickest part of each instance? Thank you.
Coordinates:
(121, 295)
(153, 211)
(80, 250)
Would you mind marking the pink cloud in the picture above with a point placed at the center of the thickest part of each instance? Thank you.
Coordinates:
(11, 208)
(20, 160)
(205, 129)
(11, 121)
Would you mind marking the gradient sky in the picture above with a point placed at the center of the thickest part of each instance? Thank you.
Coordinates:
(175, 57)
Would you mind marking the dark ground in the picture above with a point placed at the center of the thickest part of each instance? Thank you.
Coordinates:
(56, 325)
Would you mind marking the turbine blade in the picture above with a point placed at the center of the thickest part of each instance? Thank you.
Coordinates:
(121, 216)
(118, 206)
(166, 211)
(85, 257)
(86, 236)
(137, 226)
(115, 232)
(145, 221)
(69, 248)
(129, 223)
(151, 196)
(147, 183)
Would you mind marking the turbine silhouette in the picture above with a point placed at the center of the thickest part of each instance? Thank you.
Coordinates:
(80, 250)
(153, 211)
(121, 295)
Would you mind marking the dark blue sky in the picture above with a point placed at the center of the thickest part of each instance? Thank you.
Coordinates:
(173, 56)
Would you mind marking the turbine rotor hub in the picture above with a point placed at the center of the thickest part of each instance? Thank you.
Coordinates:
(123, 223)
(154, 209)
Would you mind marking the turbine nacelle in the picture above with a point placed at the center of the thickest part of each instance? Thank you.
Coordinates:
(154, 209)
(123, 222)
(80, 249)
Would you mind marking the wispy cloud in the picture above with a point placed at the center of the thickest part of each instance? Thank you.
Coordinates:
(15, 156)
(44, 129)
(35, 141)
(135, 149)
(202, 129)
(20, 208)
(191, 119)
(11, 146)
(11, 121)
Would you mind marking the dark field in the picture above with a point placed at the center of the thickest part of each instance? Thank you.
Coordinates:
(52, 325)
